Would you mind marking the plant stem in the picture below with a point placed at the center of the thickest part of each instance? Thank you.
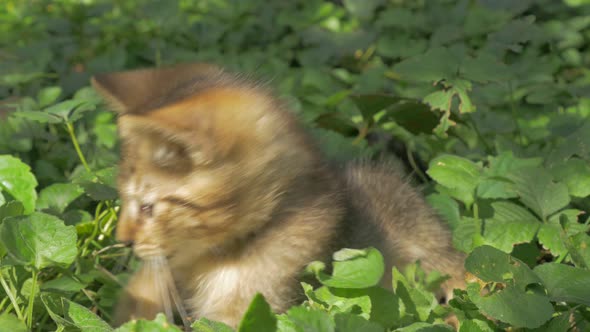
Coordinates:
(8, 292)
(414, 165)
(31, 300)
(70, 128)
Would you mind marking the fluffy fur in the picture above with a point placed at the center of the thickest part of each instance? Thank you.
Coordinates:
(224, 195)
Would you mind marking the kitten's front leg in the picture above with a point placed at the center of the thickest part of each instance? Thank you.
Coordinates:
(141, 298)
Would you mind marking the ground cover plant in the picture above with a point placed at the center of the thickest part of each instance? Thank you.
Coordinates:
(490, 101)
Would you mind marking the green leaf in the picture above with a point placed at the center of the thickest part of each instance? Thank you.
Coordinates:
(456, 173)
(496, 183)
(492, 265)
(475, 325)
(467, 234)
(447, 207)
(579, 249)
(484, 68)
(70, 314)
(510, 225)
(66, 109)
(370, 104)
(417, 302)
(553, 237)
(565, 283)
(425, 327)
(38, 116)
(575, 173)
(353, 323)
(17, 180)
(413, 116)
(310, 320)
(434, 65)
(48, 95)
(205, 325)
(58, 196)
(10, 322)
(513, 306)
(39, 240)
(576, 144)
(440, 100)
(537, 191)
(11, 209)
(355, 269)
(258, 317)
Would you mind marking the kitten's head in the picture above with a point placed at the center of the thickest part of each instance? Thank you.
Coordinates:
(204, 157)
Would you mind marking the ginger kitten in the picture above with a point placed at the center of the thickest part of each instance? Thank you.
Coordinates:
(225, 195)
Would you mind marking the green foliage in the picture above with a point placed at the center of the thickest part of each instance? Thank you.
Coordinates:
(491, 95)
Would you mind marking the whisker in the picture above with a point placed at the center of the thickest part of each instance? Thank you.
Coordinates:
(162, 286)
(173, 291)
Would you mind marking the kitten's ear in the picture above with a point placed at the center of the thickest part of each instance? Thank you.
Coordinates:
(172, 148)
(131, 91)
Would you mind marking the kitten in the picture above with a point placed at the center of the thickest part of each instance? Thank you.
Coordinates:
(224, 195)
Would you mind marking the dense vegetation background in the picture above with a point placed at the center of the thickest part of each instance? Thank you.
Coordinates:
(490, 100)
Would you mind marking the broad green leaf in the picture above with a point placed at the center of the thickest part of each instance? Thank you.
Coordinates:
(553, 237)
(492, 265)
(475, 325)
(355, 269)
(310, 320)
(9, 322)
(65, 109)
(440, 100)
(70, 314)
(565, 283)
(484, 68)
(461, 88)
(205, 325)
(361, 8)
(456, 173)
(575, 173)
(353, 323)
(510, 225)
(39, 240)
(513, 305)
(417, 303)
(38, 116)
(579, 248)
(58, 196)
(467, 234)
(369, 105)
(496, 183)
(413, 116)
(446, 207)
(17, 180)
(48, 95)
(576, 144)
(63, 284)
(537, 191)
(556, 324)
(425, 327)
(258, 317)
(434, 65)
(11, 209)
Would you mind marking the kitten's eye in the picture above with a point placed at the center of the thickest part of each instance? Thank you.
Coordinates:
(147, 209)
